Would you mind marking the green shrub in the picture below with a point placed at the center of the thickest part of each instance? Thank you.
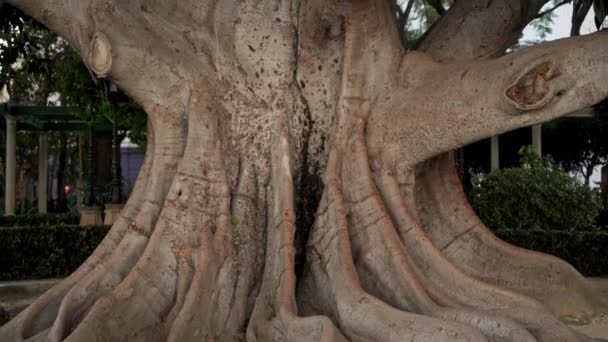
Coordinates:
(537, 195)
(602, 219)
(585, 250)
(38, 220)
(46, 252)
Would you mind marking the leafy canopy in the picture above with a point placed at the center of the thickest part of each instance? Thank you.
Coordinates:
(38, 67)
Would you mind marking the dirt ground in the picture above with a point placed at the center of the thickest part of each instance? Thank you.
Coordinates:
(599, 325)
(598, 328)
(15, 296)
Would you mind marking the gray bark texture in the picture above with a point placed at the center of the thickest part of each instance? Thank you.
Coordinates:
(298, 183)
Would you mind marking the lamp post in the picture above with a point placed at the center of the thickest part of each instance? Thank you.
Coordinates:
(116, 177)
(89, 197)
(113, 208)
(11, 164)
(90, 213)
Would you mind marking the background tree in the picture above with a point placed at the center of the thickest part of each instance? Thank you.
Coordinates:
(38, 68)
(254, 103)
(579, 145)
(29, 54)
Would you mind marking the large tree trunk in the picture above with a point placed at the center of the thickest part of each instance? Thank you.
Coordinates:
(298, 138)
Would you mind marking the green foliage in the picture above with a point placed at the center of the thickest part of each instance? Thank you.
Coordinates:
(36, 220)
(35, 64)
(46, 252)
(544, 23)
(234, 220)
(422, 17)
(602, 219)
(28, 56)
(537, 195)
(89, 99)
(585, 147)
(585, 250)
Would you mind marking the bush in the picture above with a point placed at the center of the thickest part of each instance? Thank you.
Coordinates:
(46, 252)
(602, 219)
(537, 195)
(33, 220)
(585, 250)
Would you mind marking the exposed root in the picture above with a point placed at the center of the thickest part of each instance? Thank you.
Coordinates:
(195, 212)
(112, 270)
(389, 270)
(275, 314)
(332, 281)
(449, 279)
(331, 277)
(215, 306)
(454, 228)
(203, 311)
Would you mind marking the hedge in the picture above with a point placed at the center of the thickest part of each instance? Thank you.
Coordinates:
(46, 252)
(53, 252)
(587, 251)
(539, 196)
(38, 220)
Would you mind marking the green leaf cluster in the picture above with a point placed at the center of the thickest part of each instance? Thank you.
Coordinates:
(46, 252)
(537, 195)
(37, 66)
(36, 220)
(90, 99)
(585, 250)
(28, 56)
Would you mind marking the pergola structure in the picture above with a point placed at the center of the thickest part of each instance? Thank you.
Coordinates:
(42, 119)
(536, 138)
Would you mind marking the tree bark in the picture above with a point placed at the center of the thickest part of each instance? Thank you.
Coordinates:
(254, 105)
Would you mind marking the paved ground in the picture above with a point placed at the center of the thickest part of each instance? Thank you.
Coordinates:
(599, 326)
(16, 295)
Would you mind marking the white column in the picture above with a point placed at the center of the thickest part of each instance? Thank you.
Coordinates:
(537, 136)
(43, 159)
(11, 165)
(495, 156)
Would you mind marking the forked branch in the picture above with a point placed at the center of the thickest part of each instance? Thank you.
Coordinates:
(479, 29)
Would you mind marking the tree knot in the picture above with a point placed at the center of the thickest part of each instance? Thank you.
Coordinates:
(531, 90)
(100, 54)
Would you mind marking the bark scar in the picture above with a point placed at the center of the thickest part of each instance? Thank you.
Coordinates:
(100, 54)
(531, 90)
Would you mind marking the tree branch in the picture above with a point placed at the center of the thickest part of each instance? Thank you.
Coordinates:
(543, 13)
(579, 13)
(408, 10)
(130, 44)
(402, 20)
(475, 29)
(445, 106)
